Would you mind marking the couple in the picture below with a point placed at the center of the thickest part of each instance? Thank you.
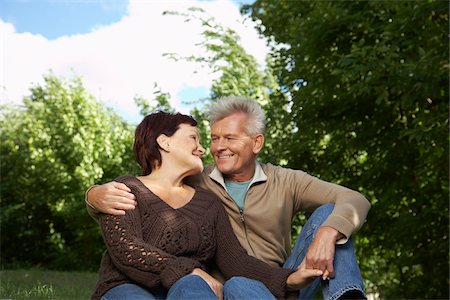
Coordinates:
(165, 246)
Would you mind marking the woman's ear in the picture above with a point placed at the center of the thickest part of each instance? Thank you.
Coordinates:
(163, 142)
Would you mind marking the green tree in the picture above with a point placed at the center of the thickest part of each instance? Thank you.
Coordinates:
(162, 102)
(368, 89)
(52, 149)
(239, 74)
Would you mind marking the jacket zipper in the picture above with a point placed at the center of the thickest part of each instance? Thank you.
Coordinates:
(241, 214)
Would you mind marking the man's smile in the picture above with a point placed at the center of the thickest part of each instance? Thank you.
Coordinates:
(220, 156)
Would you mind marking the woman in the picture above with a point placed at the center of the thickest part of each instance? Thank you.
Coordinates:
(162, 248)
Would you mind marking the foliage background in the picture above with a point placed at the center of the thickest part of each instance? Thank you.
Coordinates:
(355, 93)
(368, 83)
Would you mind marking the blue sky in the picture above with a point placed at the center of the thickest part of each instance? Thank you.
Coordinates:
(56, 18)
(114, 46)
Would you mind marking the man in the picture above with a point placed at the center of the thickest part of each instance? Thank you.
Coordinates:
(261, 201)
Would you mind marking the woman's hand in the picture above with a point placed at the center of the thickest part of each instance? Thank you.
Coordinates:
(302, 277)
(213, 283)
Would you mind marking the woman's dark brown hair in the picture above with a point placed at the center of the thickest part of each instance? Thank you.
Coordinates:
(146, 149)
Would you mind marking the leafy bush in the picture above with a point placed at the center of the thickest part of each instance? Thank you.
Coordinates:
(53, 148)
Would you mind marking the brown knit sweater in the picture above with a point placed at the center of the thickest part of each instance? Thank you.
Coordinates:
(154, 245)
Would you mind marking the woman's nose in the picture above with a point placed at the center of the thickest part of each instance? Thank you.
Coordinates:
(201, 149)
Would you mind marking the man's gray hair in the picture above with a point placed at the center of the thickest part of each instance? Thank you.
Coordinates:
(227, 106)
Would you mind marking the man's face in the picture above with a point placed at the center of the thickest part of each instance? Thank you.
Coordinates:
(234, 151)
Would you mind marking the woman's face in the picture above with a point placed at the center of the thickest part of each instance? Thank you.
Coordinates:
(186, 150)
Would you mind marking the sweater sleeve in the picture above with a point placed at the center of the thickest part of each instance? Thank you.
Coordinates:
(141, 261)
(233, 260)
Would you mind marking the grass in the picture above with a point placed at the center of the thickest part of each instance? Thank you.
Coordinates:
(39, 284)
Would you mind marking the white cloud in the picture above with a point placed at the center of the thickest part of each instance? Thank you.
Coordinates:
(119, 61)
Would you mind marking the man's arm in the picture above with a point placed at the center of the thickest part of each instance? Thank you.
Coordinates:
(348, 215)
(350, 207)
(110, 198)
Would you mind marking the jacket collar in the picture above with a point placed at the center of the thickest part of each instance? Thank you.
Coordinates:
(259, 175)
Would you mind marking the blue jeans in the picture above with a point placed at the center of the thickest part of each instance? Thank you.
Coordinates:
(346, 270)
(188, 287)
(347, 276)
(242, 288)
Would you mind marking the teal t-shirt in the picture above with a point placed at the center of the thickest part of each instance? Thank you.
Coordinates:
(237, 191)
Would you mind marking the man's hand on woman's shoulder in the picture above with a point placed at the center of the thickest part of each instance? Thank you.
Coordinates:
(111, 198)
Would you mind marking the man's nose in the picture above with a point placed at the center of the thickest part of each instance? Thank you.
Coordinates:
(221, 144)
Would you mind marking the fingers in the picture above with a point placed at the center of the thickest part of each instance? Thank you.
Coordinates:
(120, 202)
(217, 289)
(319, 262)
(312, 273)
(215, 285)
(326, 275)
(320, 255)
(121, 189)
(302, 278)
(309, 272)
(330, 270)
(119, 194)
(324, 265)
(116, 212)
(120, 186)
(111, 198)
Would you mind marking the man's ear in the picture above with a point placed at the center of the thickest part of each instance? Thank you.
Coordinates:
(258, 143)
(163, 142)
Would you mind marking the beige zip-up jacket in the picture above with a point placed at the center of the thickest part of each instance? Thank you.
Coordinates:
(274, 196)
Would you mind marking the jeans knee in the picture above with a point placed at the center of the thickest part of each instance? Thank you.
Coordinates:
(190, 287)
(324, 210)
(234, 282)
(320, 215)
(187, 282)
(245, 288)
(327, 208)
(239, 282)
(190, 279)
